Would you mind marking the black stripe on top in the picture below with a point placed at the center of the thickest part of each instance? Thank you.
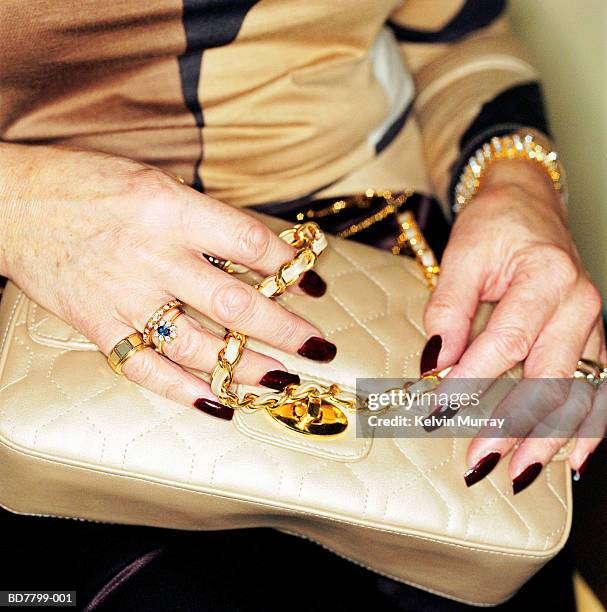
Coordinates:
(516, 108)
(207, 24)
(474, 15)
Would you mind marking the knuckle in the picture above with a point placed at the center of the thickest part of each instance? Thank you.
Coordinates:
(591, 299)
(552, 445)
(289, 331)
(252, 240)
(186, 349)
(441, 305)
(512, 344)
(563, 271)
(232, 304)
(172, 389)
(154, 187)
(140, 368)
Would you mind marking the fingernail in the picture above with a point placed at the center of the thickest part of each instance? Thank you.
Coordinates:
(438, 416)
(312, 284)
(577, 474)
(483, 467)
(318, 349)
(526, 477)
(429, 358)
(214, 408)
(278, 379)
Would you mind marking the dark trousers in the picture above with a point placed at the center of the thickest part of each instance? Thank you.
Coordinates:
(134, 569)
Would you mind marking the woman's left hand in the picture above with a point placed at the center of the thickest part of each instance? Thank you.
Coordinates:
(511, 245)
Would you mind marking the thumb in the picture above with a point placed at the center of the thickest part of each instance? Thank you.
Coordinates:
(450, 311)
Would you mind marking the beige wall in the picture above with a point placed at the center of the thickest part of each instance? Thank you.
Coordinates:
(568, 39)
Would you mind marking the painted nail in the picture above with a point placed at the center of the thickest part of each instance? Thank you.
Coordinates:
(429, 358)
(278, 379)
(312, 284)
(483, 467)
(438, 416)
(526, 477)
(577, 474)
(318, 349)
(214, 408)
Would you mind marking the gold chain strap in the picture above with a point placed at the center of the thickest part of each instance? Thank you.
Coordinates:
(310, 241)
(410, 236)
(310, 407)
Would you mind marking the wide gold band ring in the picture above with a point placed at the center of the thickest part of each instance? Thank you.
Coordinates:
(124, 349)
(157, 321)
(591, 371)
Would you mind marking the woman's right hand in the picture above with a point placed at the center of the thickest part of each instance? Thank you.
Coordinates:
(104, 241)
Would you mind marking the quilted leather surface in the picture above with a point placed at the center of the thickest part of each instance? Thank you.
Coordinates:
(60, 401)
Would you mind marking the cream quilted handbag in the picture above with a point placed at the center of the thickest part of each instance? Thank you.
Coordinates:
(78, 441)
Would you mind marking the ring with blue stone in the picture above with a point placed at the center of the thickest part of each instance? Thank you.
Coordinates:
(165, 331)
(154, 321)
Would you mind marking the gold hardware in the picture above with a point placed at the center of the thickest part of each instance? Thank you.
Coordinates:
(311, 408)
(519, 145)
(124, 349)
(412, 238)
(311, 415)
(308, 408)
(409, 238)
(227, 265)
(591, 371)
(152, 322)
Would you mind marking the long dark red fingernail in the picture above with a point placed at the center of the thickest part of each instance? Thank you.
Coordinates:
(483, 467)
(214, 408)
(318, 349)
(526, 477)
(577, 474)
(429, 358)
(312, 284)
(278, 379)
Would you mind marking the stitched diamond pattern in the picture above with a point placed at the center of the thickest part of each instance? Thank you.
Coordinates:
(373, 312)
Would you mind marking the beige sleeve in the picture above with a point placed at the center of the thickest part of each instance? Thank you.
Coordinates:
(473, 79)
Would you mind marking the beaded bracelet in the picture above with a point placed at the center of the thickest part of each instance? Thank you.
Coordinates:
(514, 146)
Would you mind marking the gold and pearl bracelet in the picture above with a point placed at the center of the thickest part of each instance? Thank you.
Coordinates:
(514, 146)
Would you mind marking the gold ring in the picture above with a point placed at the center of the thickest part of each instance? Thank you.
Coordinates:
(166, 331)
(154, 321)
(226, 265)
(591, 371)
(124, 349)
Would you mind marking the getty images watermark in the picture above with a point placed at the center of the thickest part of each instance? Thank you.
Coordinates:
(467, 408)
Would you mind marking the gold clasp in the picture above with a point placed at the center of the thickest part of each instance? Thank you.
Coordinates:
(311, 415)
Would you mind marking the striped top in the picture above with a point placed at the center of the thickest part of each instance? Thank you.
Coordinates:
(257, 101)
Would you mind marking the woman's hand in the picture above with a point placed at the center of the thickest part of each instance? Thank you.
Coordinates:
(103, 242)
(511, 245)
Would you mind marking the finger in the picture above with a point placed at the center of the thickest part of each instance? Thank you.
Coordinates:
(235, 235)
(238, 306)
(562, 341)
(450, 310)
(592, 430)
(523, 406)
(152, 371)
(511, 331)
(549, 436)
(590, 434)
(196, 347)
